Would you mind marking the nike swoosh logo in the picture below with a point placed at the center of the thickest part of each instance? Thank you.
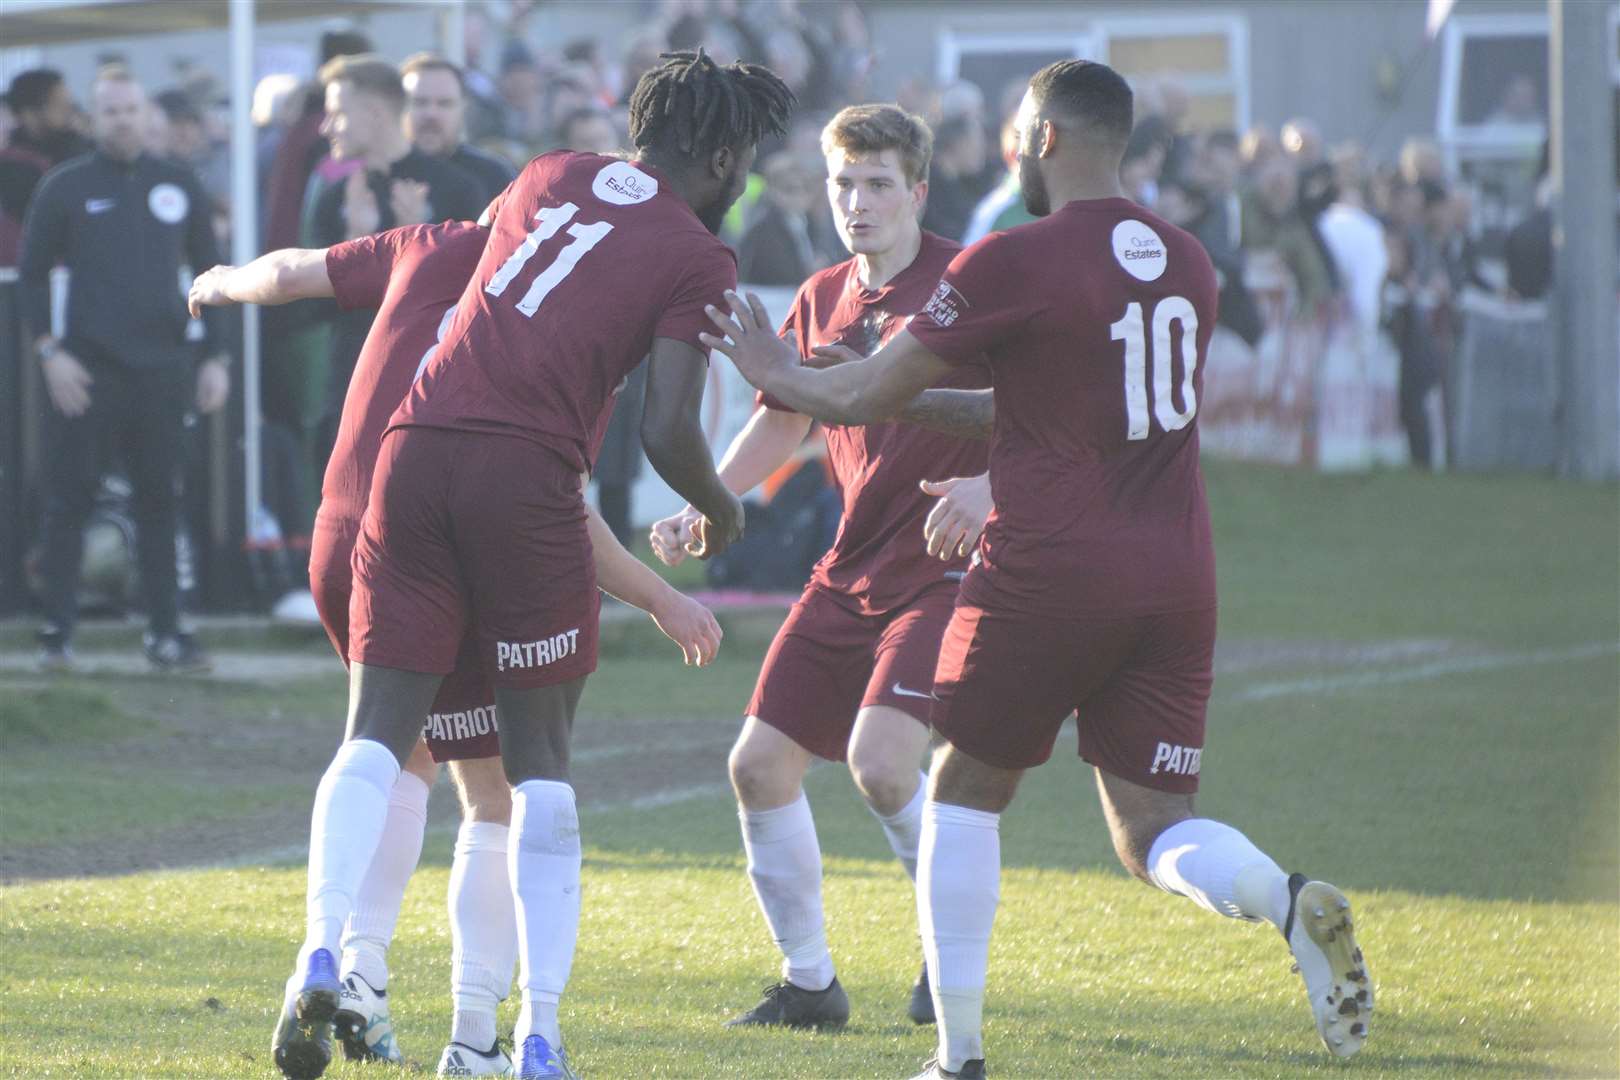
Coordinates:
(900, 691)
(99, 206)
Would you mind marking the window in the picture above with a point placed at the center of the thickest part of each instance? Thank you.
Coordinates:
(993, 61)
(1207, 54)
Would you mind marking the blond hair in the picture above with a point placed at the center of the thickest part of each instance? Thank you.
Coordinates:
(368, 73)
(860, 130)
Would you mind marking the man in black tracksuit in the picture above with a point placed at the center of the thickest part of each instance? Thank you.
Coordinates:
(122, 223)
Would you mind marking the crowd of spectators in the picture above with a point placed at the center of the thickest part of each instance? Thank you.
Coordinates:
(1297, 228)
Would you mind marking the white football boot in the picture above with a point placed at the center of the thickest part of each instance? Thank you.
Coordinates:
(362, 1024)
(1323, 940)
(459, 1059)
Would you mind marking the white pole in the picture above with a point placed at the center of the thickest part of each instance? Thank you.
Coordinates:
(245, 241)
(453, 32)
(1584, 275)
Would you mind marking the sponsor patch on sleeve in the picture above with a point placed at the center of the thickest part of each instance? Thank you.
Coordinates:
(946, 305)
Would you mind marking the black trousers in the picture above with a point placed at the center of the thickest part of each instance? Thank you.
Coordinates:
(138, 414)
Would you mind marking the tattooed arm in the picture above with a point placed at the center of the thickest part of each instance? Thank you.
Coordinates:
(967, 414)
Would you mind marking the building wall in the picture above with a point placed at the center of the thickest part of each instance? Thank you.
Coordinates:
(1361, 69)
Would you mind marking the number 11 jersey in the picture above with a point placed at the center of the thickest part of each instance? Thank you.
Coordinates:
(589, 259)
(1096, 322)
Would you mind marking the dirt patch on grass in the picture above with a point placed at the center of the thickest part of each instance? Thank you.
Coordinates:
(229, 738)
(269, 719)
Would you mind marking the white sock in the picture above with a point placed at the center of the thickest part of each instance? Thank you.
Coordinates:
(904, 827)
(351, 805)
(1218, 868)
(483, 932)
(544, 864)
(958, 885)
(784, 863)
(376, 907)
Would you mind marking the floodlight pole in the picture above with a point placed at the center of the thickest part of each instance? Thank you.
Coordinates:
(1586, 337)
(453, 32)
(245, 244)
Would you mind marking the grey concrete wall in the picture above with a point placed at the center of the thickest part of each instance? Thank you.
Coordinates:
(1318, 58)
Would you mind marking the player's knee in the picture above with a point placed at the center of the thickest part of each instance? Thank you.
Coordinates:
(759, 777)
(887, 784)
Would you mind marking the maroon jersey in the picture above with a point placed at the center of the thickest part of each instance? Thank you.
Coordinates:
(879, 560)
(1096, 321)
(589, 259)
(411, 276)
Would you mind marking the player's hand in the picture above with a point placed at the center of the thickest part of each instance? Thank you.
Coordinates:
(690, 625)
(746, 337)
(670, 536)
(712, 535)
(213, 385)
(957, 520)
(409, 201)
(826, 356)
(67, 382)
(360, 212)
(208, 290)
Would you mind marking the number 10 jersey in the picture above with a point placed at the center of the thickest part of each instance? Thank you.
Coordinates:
(1095, 322)
(589, 259)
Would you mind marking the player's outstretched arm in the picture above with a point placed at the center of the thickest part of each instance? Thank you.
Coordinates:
(764, 445)
(864, 393)
(620, 574)
(672, 435)
(967, 414)
(279, 277)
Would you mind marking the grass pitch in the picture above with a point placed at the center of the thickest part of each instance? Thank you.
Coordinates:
(1416, 699)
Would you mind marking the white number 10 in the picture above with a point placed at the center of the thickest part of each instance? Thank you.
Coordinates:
(551, 219)
(1132, 329)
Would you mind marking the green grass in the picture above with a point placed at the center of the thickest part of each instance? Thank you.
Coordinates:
(1473, 816)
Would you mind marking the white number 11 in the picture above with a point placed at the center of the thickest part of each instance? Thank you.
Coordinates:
(1132, 329)
(551, 219)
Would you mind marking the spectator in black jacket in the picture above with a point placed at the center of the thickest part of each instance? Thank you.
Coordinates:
(398, 185)
(956, 183)
(776, 249)
(123, 223)
(44, 138)
(436, 121)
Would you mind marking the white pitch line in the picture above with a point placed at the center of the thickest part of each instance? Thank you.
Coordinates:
(1330, 684)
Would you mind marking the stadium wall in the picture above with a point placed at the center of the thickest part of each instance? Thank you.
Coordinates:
(1361, 70)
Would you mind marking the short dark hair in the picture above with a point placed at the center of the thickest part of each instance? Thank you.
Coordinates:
(1153, 133)
(1090, 94)
(336, 43)
(860, 130)
(368, 73)
(178, 107)
(31, 89)
(689, 106)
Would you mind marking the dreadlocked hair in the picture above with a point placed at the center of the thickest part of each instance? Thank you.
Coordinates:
(689, 106)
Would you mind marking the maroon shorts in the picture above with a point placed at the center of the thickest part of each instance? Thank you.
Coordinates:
(477, 536)
(1140, 686)
(461, 726)
(828, 662)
